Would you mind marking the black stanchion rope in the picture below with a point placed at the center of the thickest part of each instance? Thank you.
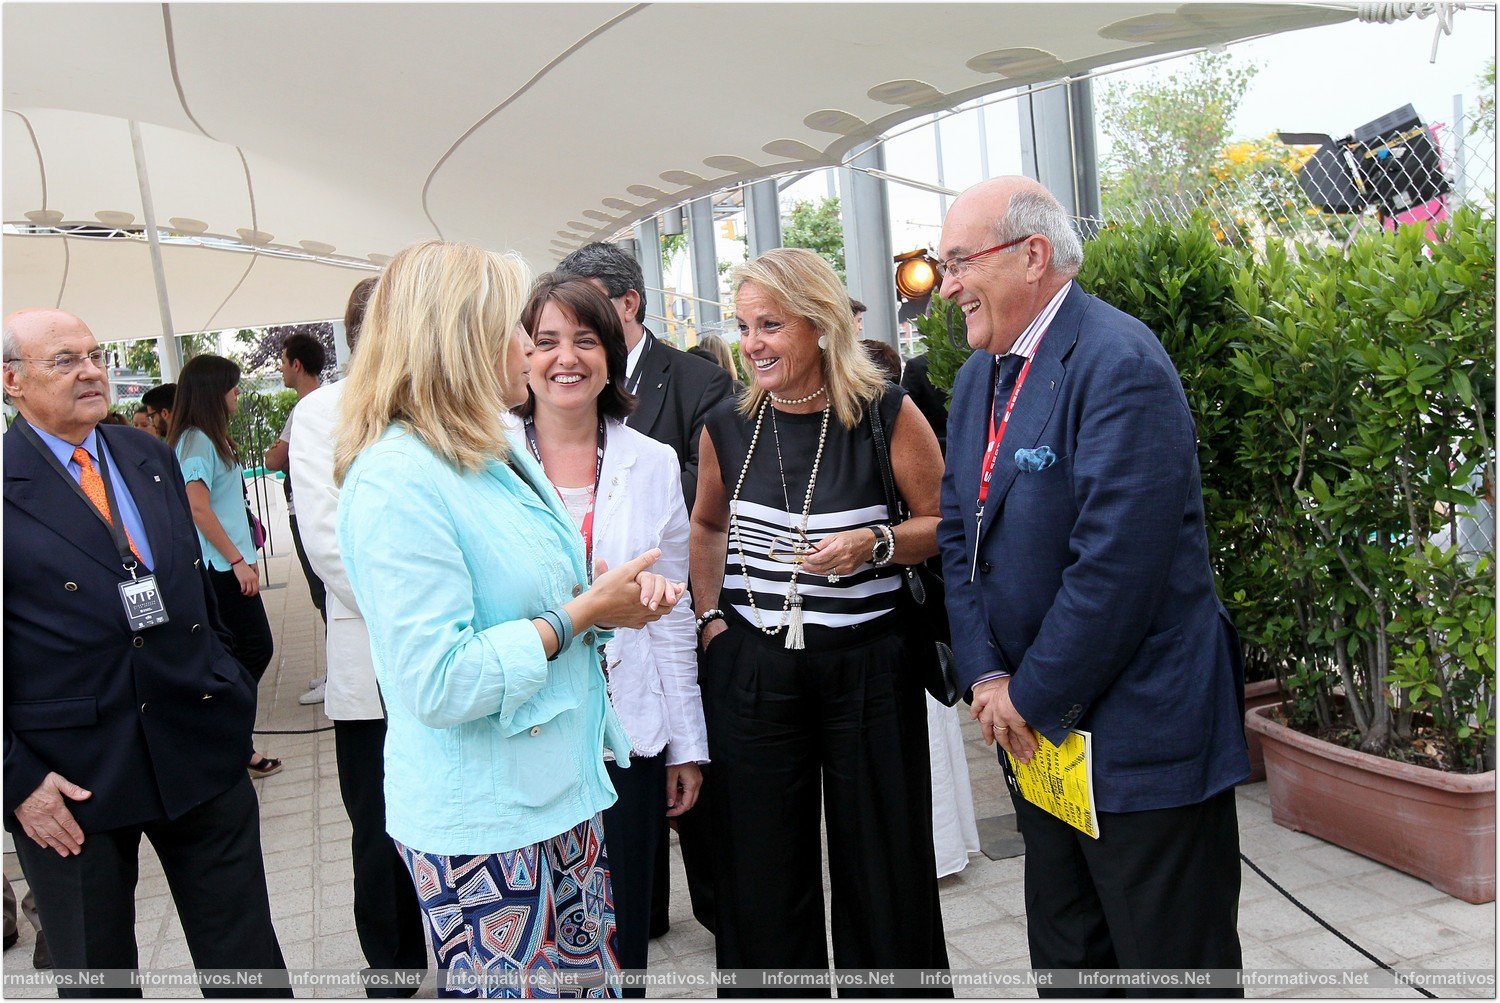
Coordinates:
(1327, 925)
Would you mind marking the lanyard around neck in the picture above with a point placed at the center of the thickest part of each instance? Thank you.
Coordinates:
(587, 529)
(997, 432)
(111, 518)
(640, 364)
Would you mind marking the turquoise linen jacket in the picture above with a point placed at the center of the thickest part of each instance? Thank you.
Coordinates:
(489, 746)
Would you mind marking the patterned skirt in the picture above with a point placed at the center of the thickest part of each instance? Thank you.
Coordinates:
(538, 922)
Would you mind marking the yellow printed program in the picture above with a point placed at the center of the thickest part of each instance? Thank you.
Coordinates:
(1059, 780)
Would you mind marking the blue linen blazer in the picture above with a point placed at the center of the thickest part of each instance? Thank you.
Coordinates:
(489, 747)
(1089, 580)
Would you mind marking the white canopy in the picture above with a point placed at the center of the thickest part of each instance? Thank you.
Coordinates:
(350, 130)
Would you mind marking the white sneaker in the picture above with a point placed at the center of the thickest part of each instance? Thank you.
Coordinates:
(313, 684)
(314, 695)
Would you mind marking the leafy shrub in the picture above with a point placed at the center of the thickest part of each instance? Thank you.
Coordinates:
(258, 422)
(1370, 380)
(944, 342)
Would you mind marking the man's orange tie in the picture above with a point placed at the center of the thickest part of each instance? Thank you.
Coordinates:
(93, 486)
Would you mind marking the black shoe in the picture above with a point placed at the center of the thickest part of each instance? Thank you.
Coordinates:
(41, 957)
(11, 938)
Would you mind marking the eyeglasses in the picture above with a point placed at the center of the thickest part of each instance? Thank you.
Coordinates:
(64, 363)
(956, 267)
(785, 550)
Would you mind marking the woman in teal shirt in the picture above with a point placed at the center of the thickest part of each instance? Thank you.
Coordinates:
(486, 630)
(208, 392)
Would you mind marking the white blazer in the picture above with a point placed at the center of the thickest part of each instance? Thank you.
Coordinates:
(653, 671)
(351, 693)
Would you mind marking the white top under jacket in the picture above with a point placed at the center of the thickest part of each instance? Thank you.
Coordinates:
(351, 693)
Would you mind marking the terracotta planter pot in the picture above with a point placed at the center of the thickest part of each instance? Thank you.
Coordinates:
(1262, 694)
(1436, 826)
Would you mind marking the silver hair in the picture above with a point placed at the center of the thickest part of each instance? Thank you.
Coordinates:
(1037, 212)
(10, 348)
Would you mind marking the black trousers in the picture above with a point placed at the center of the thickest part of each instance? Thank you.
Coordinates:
(213, 864)
(387, 916)
(245, 618)
(315, 586)
(848, 723)
(633, 826)
(1157, 889)
(695, 840)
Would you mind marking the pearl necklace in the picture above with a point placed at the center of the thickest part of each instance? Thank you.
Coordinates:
(793, 402)
(791, 610)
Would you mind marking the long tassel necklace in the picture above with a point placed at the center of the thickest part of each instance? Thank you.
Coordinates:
(791, 610)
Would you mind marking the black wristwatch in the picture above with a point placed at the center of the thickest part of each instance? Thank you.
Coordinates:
(885, 546)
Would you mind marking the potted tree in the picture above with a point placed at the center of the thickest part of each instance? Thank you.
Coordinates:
(1369, 429)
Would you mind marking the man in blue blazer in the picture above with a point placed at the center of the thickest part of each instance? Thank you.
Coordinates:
(117, 724)
(1080, 593)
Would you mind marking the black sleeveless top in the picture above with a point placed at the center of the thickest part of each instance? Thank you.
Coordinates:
(848, 495)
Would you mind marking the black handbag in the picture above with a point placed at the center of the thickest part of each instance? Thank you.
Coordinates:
(924, 585)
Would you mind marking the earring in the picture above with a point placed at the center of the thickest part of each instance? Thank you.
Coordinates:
(822, 342)
(607, 381)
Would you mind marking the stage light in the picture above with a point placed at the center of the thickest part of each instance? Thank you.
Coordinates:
(916, 274)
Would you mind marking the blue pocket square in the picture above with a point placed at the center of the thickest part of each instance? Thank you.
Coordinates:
(1030, 461)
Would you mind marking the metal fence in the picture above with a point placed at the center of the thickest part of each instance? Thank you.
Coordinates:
(1324, 194)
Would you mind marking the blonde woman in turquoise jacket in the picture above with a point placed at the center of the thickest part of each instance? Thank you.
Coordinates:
(485, 629)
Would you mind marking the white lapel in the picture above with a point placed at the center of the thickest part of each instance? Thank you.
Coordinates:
(614, 479)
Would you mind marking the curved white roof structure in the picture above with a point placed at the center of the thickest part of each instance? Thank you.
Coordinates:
(346, 131)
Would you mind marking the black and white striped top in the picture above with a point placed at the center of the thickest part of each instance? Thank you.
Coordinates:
(848, 495)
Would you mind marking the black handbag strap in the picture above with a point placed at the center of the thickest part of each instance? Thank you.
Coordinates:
(883, 458)
(895, 508)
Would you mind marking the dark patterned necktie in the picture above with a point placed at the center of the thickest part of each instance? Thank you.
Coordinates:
(1005, 380)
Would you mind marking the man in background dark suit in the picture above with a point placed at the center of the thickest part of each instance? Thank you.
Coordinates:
(931, 401)
(674, 390)
(114, 727)
(1081, 596)
(674, 393)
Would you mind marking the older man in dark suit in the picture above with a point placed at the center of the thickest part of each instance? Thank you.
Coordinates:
(674, 392)
(1080, 593)
(125, 714)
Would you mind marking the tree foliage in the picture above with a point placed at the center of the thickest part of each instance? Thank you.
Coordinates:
(1168, 132)
(263, 345)
(1484, 118)
(141, 355)
(818, 227)
(672, 244)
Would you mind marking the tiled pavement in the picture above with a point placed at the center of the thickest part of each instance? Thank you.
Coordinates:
(1404, 921)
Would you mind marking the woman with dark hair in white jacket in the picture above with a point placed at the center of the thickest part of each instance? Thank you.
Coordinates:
(624, 491)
